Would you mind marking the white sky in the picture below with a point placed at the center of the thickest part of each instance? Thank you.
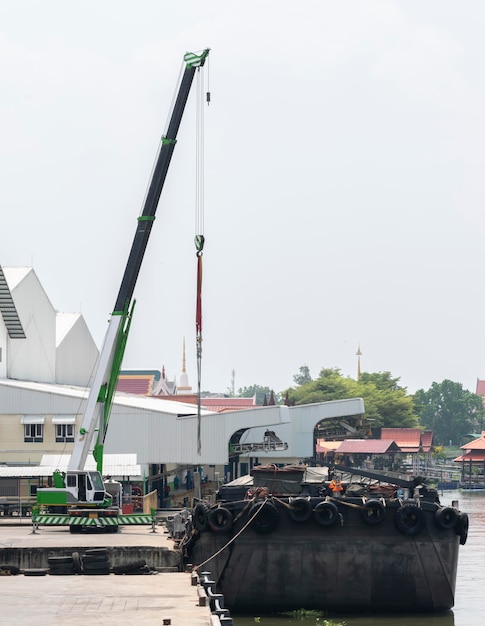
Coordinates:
(344, 180)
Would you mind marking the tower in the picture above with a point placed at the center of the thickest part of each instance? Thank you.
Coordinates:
(183, 387)
(359, 354)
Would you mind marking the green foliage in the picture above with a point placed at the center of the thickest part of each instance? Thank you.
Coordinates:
(450, 411)
(439, 453)
(259, 391)
(386, 402)
(304, 376)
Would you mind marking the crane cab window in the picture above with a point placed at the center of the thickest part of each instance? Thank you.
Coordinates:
(97, 481)
(71, 480)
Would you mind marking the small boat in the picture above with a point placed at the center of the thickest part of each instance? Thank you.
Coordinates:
(335, 539)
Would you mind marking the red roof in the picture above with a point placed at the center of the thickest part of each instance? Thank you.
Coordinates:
(476, 444)
(475, 456)
(427, 440)
(409, 439)
(217, 405)
(139, 384)
(367, 446)
(474, 450)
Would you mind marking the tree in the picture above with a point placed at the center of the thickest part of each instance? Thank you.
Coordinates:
(303, 377)
(259, 391)
(386, 402)
(449, 411)
(382, 381)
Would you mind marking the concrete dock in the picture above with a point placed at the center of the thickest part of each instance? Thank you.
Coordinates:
(164, 598)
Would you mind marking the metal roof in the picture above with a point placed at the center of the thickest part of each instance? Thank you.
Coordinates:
(126, 400)
(165, 431)
(9, 311)
(113, 465)
(367, 446)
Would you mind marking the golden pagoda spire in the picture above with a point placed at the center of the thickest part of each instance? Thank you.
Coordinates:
(184, 387)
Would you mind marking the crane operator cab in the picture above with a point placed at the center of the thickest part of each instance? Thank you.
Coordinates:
(75, 488)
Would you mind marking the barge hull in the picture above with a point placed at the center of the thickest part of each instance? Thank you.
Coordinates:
(349, 567)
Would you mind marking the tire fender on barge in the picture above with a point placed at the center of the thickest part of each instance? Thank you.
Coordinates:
(374, 512)
(265, 517)
(300, 509)
(409, 519)
(326, 514)
(446, 517)
(220, 520)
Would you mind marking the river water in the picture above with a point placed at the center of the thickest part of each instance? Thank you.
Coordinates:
(469, 609)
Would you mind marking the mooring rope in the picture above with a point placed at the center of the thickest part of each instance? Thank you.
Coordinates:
(235, 536)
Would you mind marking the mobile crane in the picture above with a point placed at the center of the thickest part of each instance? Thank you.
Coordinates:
(79, 498)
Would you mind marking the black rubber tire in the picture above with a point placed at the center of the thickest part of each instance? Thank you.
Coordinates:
(300, 510)
(141, 571)
(13, 569)
(200, 516)
(95, 558)
(96, 551)
(94, 567)
(129, 567)
(374, 512)
(59, 560)
(98, 572)
(35, 571)
(462, 526)
(409, 519)
(61, 571)
(75, 529)
(111, 529)
(76, 563)
(446, 517)
(264, 520)
(326, 514)
(220, 520)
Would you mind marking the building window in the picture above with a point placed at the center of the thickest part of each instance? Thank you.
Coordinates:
(33, 433)
(64, 433)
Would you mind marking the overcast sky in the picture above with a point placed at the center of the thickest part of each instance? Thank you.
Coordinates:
(344, 180)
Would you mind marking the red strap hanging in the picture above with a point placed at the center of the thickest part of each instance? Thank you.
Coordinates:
(199, 245)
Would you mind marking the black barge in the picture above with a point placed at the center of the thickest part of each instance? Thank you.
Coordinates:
(334, 539)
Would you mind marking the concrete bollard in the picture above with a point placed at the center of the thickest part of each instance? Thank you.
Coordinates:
(203, 599)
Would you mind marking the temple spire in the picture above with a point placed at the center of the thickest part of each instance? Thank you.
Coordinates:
(184, 386)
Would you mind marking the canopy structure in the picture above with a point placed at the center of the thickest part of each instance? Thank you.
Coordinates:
(115, 465)
(474, 451)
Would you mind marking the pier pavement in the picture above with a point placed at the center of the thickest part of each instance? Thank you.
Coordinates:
(149, 600)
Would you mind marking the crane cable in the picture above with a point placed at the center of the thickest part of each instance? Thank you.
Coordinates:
(199, 235)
